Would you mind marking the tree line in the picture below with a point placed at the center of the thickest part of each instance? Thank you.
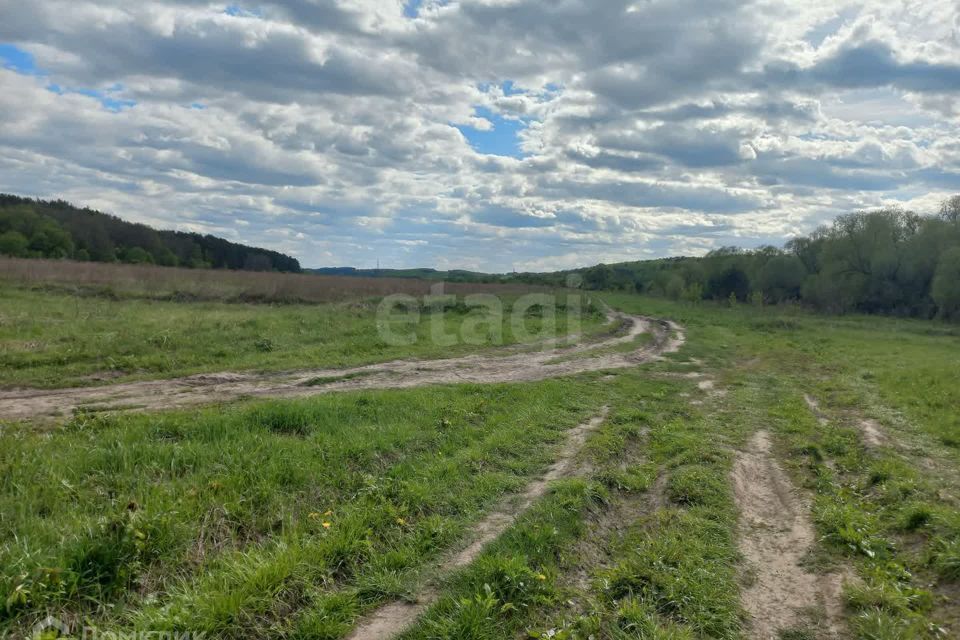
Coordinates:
(888, 261)
(56, 229)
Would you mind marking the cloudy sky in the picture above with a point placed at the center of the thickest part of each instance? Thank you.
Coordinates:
(482, 134)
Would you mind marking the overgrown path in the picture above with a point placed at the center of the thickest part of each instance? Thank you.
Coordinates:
(392, 619)
(514, 366)
(776, 535)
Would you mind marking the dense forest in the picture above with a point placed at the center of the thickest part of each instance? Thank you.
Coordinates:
(56, 229)
(890, 261)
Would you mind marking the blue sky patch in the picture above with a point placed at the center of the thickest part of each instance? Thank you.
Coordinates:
(412, 8)
(107, 98)
(16, 59)
(237, 11)
(502, 140)
(507, 87)
(817, 34)
(23, 62)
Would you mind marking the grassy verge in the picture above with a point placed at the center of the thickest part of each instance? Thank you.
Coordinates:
(887, 513)
(643, 547)
(292, 519)
(226, 520)
(50, 339)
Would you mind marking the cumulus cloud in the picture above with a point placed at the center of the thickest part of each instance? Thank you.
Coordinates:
(486, 134)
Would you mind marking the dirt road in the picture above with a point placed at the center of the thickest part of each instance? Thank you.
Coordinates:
(510, 365)
(775, 537)
(392, 619)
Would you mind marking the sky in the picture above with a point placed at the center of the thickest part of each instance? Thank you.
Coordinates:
(495, 135)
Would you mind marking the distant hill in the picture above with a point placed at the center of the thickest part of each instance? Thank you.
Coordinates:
(888, 261)
(56, 229)
(456, 275)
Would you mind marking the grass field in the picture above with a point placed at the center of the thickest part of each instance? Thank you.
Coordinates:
(55, 339)
(171, 283)
(299, 518)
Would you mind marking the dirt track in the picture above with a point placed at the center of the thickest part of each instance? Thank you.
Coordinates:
(511, 365)
(775, 537)
(393, 618)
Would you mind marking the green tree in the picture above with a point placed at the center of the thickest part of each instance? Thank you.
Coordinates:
(163, 256)
(598, 277)
(693, 292)
(106, 238)
(51, 241)
(675, 287)
(196, 258)
(13, 243)
(946, 284)
(950, 210)
(137, 255)
(829, 293)
(865, 254)
(731, 281)
(808, 249)
(781, 278)
(256, 262)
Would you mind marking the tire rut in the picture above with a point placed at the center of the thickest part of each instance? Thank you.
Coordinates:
(39, 405)
(871, 431)
(775, 535)
(393, 618)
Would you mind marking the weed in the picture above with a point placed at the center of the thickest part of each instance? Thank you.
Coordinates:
(946, 559)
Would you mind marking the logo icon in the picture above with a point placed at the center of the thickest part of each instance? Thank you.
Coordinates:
(50, 628)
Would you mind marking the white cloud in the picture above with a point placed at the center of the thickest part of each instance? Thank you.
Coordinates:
(329, 128)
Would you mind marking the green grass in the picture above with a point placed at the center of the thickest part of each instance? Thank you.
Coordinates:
(672, 573)
(214, 520)
(890, 513)
(875, 511)
(220, 513)
(638, 342)
(52, 339)
(675, 568)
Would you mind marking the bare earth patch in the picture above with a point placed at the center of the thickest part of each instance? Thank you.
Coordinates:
(595, 549)
(873, 435)
(32, 404)
(775, 535)
(815, 409)
(391, 619)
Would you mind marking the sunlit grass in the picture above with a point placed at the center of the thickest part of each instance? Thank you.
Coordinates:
(53, 339)
(293, 519)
